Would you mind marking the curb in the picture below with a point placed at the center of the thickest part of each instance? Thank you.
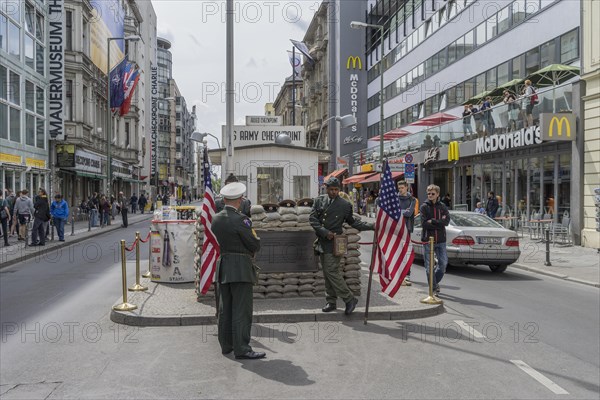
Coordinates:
(60, 245)
(554, 275)
(127, 318)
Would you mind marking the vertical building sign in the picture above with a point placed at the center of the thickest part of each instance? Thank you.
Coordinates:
(56, 69)
(154, 129)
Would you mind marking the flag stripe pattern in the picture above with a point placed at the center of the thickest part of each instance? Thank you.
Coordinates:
(394, 253)
(210, 247)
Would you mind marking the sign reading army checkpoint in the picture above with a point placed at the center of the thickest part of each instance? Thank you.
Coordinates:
(249, 135)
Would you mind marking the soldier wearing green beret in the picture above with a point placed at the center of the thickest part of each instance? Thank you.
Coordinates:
(327, 217)
(235, 274)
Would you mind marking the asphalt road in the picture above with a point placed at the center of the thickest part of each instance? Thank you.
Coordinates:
(510, 335)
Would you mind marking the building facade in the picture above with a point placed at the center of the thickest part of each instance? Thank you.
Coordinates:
(440, 54)
(291, 114)
(23, 89)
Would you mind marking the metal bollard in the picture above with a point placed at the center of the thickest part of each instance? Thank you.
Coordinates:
(124, 306)
(147, 273)
(431, 299)
(72, 225)
(547, 262)
(137, 287)
(52, 229)
(89, 220)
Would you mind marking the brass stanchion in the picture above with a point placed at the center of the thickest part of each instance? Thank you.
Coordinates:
(147, 273)
(137, 287)
(431, 299)
(125, 306)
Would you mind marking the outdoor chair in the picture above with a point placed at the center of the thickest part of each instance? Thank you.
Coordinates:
(561, 232)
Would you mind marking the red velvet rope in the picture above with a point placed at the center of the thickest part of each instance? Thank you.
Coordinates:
(132, 246)
(414, 241)
(147, 238)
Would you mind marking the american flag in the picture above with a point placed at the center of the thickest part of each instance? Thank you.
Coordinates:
(210, 247)
(394, 252)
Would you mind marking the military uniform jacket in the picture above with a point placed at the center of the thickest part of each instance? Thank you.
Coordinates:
(244, 207)
(330, 218)
(238, 243)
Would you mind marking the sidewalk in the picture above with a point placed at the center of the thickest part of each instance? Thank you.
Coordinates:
(572, 263)
(17, 251)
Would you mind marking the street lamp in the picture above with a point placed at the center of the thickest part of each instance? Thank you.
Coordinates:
(360, 25)
(345, 122)
(199, 137)
(133, 38)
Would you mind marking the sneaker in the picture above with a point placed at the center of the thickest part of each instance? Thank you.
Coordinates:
(407, 281)
(436, 289)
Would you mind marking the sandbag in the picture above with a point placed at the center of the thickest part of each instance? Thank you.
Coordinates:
(273, 281)
(288, 224)
(353, 253)
(353, 238)
(303, 218)
(256, 295)
(352, 260)
(290, 288)
(274, 289)
(290, 281)
(289, 217)
(288, 295)
(258, 217)
(352, 281)
(287, 211)
(352, 267)
(272, 216)
(257, 209)
(306, 294)
(274, 295)
(351, 231)
(306, 288)
(352, 274)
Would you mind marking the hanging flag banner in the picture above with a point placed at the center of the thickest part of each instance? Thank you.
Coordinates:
(295, 62)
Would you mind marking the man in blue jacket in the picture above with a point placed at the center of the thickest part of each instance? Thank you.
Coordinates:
(435, 217)
(59, 209)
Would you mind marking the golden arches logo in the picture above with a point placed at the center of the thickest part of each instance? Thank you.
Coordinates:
(559, 124)
(453, 151)
(355, 61)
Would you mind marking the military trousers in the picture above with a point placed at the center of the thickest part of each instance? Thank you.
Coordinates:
(335, 285)
(235, 317)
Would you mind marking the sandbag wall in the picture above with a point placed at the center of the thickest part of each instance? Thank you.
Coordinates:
(292, 284)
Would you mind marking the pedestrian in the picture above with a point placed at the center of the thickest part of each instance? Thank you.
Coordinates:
(133, 202)
(491, 207)
(407, 208)
(22, 212)
(467, 128)
(530, 100)
(94, 207)
(122, 207)
(59, 209)
(328, 215)
(105, 209)
(488, 116)
(142, 201)
(235, 274)
(41, 218)
(447, 200)
(477, 117)
(435, 217)
(480, 209)
(4, 218)
(513, 110)
(245, 204)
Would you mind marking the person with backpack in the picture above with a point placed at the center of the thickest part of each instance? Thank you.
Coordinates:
(435, 217)
(22, 212)
(531, 99)
(407, 207)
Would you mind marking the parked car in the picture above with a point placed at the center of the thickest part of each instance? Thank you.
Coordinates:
(475, 239)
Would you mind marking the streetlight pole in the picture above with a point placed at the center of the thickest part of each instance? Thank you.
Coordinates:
(359, 25)
(108, 113)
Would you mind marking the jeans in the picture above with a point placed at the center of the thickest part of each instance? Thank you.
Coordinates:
(59, 223)
(94, 217)
(38, 233)
(442, 257)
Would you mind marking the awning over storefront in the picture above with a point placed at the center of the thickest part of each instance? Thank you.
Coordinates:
(377, 176)
(359, 178)
(88, 175)
(336, 174)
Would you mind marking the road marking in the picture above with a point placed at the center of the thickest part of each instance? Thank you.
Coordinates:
(539, 377)
(470, 330)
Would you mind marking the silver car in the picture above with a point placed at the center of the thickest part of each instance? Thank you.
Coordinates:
(475, 239)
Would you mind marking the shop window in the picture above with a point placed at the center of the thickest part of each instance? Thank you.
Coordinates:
(270, 184)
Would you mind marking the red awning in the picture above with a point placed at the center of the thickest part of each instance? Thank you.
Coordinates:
(434, 119)
(336, 174)
(391, 135)
(358, 178)
(376, 177)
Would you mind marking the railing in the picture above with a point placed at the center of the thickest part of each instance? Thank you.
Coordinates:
(505, 119)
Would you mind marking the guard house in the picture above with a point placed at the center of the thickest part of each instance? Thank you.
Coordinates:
(272, 161)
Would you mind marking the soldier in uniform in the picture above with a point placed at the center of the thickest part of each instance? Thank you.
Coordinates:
(235, 273)
(244, 207)
(328, 214)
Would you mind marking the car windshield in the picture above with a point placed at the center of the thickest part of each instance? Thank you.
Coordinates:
(473, 220)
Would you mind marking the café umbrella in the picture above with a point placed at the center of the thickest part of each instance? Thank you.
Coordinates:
(553, 75)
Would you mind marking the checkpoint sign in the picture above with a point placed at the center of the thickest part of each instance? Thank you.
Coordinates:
(409, 172)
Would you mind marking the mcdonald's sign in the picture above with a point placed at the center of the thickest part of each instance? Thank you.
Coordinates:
(354, 61)
(558, 127)
(453, 151)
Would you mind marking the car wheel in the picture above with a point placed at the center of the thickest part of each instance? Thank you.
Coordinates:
(498, 268)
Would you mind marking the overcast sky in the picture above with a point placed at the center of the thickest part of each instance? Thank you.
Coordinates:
(262, 30)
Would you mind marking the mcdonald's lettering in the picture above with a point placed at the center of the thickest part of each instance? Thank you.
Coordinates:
(453, 151)
(355, 62)
(559, 124)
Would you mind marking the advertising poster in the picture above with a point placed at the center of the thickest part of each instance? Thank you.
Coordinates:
(173, 251)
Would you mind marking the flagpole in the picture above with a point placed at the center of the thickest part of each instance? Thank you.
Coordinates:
(373, 249)
(293, 85)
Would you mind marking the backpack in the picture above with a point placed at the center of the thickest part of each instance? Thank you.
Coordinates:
(534, 97)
